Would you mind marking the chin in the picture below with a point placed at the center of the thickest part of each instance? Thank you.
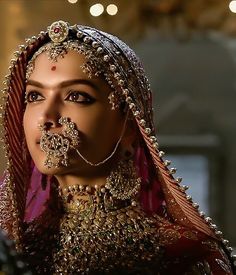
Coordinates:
(50, 171)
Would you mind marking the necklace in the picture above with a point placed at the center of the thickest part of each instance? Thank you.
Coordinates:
(97, 234)
(80, 188)
(98, 230)
(86, 197)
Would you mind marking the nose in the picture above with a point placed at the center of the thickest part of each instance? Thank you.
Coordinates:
(50, 115)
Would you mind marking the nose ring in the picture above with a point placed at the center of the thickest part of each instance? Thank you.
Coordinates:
(57, 145)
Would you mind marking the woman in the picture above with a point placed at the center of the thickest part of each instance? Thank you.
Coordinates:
(86, 190)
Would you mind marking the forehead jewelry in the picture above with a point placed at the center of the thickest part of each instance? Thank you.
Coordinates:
(56, 146)
(95, 64)
(58, 32)
(59, 46)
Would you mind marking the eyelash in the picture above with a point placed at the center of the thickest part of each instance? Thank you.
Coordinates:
(87, 98)
(28, 96)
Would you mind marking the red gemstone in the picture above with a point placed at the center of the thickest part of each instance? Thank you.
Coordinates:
(57, 30)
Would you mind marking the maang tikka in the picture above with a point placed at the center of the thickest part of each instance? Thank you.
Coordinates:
(56, 146)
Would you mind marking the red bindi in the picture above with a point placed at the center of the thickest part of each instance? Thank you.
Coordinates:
(53, 68)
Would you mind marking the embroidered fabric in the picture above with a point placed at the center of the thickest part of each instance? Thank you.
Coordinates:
(93, 233)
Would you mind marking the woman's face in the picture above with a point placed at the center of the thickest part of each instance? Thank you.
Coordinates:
(62, 89)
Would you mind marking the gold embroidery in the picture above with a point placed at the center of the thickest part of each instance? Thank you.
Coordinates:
(96, 234)
(9, 215)
(210, 245)
(223, 265)
(168, 236)
(192, 235)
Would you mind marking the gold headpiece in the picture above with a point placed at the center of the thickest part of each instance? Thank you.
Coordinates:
(58, 31)
(61, 43)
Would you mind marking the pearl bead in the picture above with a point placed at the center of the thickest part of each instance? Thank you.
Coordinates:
(112, 68)
(161, 154)
(142, 122)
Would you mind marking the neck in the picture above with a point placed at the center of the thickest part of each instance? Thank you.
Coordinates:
(109, 190)
(87, 175)
(89, 180)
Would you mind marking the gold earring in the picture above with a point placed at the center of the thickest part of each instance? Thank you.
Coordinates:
(123, 182)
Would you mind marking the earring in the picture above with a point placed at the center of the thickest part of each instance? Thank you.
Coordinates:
(123, 182)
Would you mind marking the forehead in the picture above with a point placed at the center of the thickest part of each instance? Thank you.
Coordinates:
(68, 66)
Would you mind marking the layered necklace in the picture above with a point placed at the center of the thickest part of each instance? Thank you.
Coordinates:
(100, 233)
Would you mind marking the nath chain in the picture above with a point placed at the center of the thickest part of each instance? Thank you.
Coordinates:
(112, 153)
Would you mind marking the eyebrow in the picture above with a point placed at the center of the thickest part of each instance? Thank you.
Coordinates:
(64, 84)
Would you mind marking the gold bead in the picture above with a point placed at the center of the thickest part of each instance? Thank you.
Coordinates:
(142, 122)
(179, 180)
(161, 154)
(155, 145)
(173, 170)
(148, 131)
(125, 92)
(113, 68)
(167, 162)
(88, 189)
(136, 113)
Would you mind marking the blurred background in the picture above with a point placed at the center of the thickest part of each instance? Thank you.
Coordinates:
(188, 48)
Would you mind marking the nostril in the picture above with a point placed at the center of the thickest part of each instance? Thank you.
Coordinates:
(48, 125)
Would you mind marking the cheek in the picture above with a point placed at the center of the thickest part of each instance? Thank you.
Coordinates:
(26, 125)
(29, 127)
(103, 127)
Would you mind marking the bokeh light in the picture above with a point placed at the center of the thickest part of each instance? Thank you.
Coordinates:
(96, 9)
(232, 6)
(72, 1)
(112, 9)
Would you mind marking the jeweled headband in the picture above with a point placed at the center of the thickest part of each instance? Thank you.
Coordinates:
(110, 57)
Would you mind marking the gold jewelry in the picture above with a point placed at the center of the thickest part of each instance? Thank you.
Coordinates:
(56, 146)
(58, 31)
(64, 38)
(123, 182)
(113, 100)
(54, 51)
(113, 151)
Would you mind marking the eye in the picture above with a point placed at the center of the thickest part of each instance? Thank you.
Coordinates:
(33, 96)
(80, 97)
